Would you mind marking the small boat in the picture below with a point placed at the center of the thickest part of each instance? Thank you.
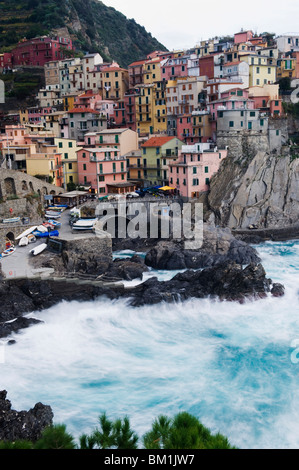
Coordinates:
(8, 251)
(12, 220)
(39, 249)
(38, 234)
(54, 223)
(52, 215)
(84, 224)
(41, 228)
(26, 232)
(31, 238)
(24, 241)
(48, 226)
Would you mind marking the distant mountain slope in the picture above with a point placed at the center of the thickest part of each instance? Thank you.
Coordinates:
(93, 27)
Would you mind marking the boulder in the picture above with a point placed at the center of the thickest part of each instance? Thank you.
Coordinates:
(23, 425)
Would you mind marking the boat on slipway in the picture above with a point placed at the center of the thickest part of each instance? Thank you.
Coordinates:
(84, 224)
(24, 241)
(8, 251)
(39, 249)
(26, 232)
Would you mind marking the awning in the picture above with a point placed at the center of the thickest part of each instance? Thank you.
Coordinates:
(166, 188)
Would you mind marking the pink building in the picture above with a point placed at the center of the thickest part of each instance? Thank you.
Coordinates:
(100, 167)
(191, 173)
(173, 68)
(38, 51)
(243, 36)
(89, 99)
(6, 61)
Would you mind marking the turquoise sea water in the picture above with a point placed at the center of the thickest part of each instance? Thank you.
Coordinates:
(230, 365)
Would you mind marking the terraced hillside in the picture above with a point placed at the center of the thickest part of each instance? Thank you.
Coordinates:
(92, 26)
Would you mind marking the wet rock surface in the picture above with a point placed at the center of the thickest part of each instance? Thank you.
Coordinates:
(23, 425)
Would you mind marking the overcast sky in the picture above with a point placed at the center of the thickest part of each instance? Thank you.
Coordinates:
(180, 24)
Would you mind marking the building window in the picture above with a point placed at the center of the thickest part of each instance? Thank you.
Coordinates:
(60, 145)
(231, 123)
(70, 144)
(194, 170)
(70, 166)
(206, 169)
(101, 178)
(84, 166)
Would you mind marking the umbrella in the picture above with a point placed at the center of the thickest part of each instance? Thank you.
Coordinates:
(166, 188)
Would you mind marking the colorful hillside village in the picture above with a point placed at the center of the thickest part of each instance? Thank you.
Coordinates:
(109, 129)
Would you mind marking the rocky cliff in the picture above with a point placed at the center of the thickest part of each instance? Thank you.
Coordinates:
(257, 185)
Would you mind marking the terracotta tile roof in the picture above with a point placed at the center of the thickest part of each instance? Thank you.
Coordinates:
(228, 64)
(138, 62)
(157, 141)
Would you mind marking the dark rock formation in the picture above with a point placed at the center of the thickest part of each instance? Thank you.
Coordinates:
(23, 425)
(126, 269)
(18, 324)
(227, 281)
(278, 290)
(219, 246)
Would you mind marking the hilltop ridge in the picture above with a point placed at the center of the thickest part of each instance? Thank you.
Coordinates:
(89, 23)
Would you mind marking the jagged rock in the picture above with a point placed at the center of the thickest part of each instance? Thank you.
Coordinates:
(219, 245)
(227, 281)
(23, 425)
(20, 323)
(127, 269)
(278, 290)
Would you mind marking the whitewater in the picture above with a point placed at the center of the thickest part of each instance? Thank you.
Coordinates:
(233, 366)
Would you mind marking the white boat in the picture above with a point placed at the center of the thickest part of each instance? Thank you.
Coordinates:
(12, 220)
(26, 232)
(8, 251)
(31, 238)
(52, 215)
(39, 249)
(41, 228)
(83, 224)
(24, 241)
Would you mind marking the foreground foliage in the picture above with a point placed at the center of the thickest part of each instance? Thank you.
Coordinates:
(184, 431)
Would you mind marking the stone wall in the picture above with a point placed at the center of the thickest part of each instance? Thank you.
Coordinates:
(17, 183)
(90, 256)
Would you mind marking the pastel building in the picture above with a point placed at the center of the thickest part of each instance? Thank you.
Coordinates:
(191, 173)
(261, 72)
(156, 155)
(101, 168)
(68, 149)
(122, 140)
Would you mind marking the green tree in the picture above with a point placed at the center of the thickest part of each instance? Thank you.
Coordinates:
(110, 435)
(184, 431)
(156, 438)
(56, 437)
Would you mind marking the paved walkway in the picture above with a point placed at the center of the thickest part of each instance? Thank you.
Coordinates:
(18, 264)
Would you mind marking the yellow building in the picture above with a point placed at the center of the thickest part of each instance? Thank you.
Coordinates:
(261, 72)
(286, 67)
(152, 71)
(68, 149)
(150, 105)
(45, 164)
(115, 82)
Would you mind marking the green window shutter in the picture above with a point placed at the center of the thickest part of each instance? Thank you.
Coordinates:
(206, 169)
